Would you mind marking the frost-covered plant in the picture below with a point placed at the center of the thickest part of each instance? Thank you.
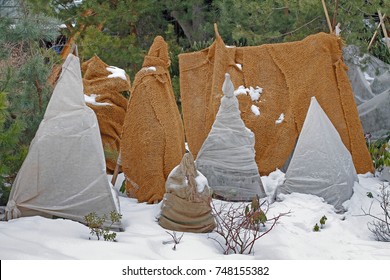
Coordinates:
(240, 225)
(380, 225)
(95, 224)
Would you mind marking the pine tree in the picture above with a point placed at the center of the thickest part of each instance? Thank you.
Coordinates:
(24, 92)
(30, 64)
(10, 158)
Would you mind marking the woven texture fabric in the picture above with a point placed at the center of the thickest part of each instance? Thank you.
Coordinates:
(110, 105)
(227, 156)
(186, 203)
(153, 135)
(289, 74)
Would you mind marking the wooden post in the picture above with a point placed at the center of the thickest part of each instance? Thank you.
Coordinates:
(117, 169)
(382, 22)
(374, 36)
(336, 8)
(327, 17)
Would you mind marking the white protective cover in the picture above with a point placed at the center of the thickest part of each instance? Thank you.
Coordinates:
(64, 173)
(321, 165)
(227, 156)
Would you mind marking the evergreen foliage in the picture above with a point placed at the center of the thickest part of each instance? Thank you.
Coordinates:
(10, 158)
(26, 64)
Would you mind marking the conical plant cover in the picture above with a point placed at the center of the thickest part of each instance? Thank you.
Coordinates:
(321, 165)
(106, 88)
(227, 156)
(153, 134)
(186, 204)
(64, 173)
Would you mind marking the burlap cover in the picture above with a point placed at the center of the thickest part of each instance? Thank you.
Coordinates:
(184, 207)
(110, 117)
(153, 135)
(290, 74)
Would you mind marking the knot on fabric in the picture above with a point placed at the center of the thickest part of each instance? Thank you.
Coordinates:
(12, 211)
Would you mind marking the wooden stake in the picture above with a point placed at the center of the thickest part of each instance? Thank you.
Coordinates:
(327, 17)
(117, 169)
(374, 36)
(336, 8)
(381, 19)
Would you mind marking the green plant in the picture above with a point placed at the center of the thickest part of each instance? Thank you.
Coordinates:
(11, 158)
(316, 228)
(323, 221)
(380, 151)
(255, 214)
(96, 225)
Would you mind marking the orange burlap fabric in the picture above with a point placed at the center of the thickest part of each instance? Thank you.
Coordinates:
(110, 117)
(184, 207)
(153, 134)
(290, 74)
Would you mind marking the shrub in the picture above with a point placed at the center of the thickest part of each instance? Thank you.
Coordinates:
(380, 225)
(240, 225)
(95, 224)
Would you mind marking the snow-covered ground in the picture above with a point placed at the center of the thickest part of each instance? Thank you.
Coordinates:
(345, 236)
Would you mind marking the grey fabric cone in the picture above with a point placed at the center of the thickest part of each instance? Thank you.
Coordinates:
(227, 156)
(64, 173)
(321, 165)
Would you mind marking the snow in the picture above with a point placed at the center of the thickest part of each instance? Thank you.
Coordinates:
(337, 30)
(368, 77)
(254, 93)
(239, 66)
(91, 99)
(201, 182)
(116, 72)
(255, 110)
(151, 68)
(240, 90)
(280, 119)
(344, 236)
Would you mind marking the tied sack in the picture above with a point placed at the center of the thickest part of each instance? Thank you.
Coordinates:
(186, 204)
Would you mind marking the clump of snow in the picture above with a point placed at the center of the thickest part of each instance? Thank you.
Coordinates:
(151, 68)
(240, 90)
(239, 66)
(116, 72)
(280, 119)
(255, 110)
(201, 182)
(272, 181)
(253, 92)
(368, 77)
(337, 30)
(229, 47)
(91, 99)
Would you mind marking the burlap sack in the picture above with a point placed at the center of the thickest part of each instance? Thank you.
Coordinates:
(153, 135)
(108, 91)
(186, 204)
(290, 74)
